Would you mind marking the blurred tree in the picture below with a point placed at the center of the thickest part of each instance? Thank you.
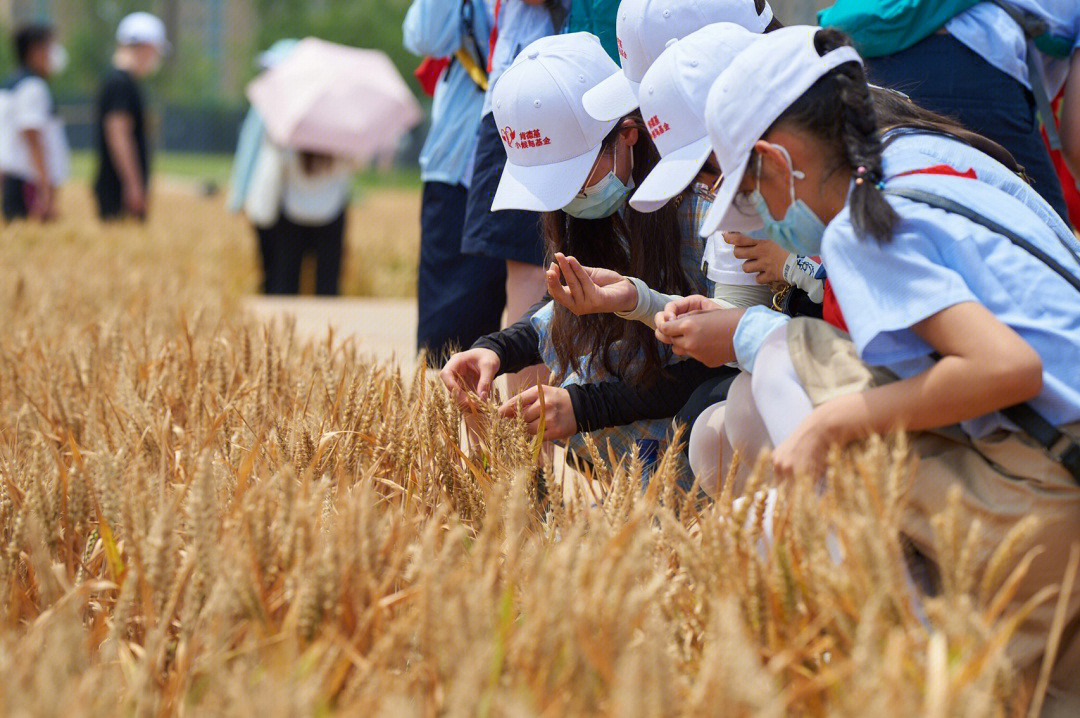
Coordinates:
(374, 24)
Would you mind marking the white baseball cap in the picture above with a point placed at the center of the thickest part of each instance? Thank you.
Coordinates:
(142, 28)
(643, 29)
(748, 97)
(673, 94)
(551, 142)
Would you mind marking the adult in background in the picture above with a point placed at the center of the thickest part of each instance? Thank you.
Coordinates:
(300, 199)
(512, 236)
(124, 154)
(450, 281)
(33, 147)
(989, 66)
(249, 146)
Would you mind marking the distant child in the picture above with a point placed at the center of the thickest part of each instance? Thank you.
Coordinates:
(33, 147)
(123, 148)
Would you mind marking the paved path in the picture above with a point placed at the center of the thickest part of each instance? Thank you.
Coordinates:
(383, 328)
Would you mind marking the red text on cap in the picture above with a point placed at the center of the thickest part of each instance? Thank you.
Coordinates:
(656, 127)
(527, 140)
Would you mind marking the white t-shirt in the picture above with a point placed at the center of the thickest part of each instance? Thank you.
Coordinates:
(317, 199)
(28, 106)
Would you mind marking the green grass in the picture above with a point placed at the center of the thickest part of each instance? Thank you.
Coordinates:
(215, 169)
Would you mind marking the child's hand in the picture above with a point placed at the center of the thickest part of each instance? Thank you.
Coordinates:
(559, 422)
(705, 335)
(470, 371)
(682, 306)
(589, 290)
(760, 256)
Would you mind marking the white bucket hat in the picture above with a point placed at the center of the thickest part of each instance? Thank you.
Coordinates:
(644, 28)
(748, 97)
(551, 142)
(673, 94)
(142, 28)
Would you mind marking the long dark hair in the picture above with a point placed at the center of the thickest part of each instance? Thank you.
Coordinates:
(839, 111)
(896, 111)
(643, 245)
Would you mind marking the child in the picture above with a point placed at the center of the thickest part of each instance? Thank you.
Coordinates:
(961, 320)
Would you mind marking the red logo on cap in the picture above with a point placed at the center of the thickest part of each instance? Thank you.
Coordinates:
(656, 127)
(622, 52)
(527, 140)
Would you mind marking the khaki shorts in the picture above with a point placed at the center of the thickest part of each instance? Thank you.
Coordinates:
(1003, 478)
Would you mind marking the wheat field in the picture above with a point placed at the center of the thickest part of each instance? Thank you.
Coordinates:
(202, 515)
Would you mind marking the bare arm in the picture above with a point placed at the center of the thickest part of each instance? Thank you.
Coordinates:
(1070, 118)
(985, 367)
(120, 138)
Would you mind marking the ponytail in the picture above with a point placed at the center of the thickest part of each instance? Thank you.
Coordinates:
(839, 110)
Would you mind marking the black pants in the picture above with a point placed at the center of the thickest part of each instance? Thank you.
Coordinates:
(265, 237)
(508, 234)
(944, 75)
(287, 243)
(712, 391)
(460, 297)
(14, 198)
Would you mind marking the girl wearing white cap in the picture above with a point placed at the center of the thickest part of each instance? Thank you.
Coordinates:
(580, 171)
(961, 296)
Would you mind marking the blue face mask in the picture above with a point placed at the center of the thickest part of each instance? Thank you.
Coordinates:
(800, 231)
(603, 199)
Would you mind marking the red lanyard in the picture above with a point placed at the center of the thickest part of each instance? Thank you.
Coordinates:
(494, 34)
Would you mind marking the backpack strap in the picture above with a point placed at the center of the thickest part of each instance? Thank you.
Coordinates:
(1038, 32)
(1061, 447)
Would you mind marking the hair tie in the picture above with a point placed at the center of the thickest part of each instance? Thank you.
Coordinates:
(881, 185)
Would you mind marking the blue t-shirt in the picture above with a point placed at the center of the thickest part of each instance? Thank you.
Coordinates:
(910, 150)
(936, 260)
(437, 28)
(992, 34)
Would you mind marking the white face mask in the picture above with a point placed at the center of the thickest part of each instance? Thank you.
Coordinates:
(58, 58)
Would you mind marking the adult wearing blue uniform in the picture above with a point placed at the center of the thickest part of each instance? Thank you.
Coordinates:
(459, 296)
(512, 236)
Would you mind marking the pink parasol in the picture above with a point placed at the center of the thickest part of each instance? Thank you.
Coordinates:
(335, 100)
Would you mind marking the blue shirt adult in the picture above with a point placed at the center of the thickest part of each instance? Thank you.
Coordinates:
(992, 34)
(436, 28)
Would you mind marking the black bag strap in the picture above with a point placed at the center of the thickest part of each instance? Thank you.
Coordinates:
(1062, 448)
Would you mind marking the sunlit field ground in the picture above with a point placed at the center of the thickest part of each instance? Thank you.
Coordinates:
(382, 234)
(202, 515)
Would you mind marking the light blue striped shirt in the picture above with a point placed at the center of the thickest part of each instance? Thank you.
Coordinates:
(435, 28)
